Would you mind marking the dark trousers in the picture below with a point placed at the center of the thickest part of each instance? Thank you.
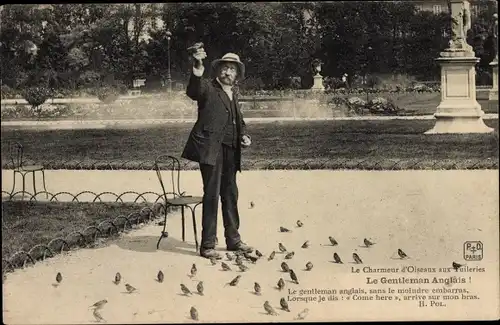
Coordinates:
(220, 180)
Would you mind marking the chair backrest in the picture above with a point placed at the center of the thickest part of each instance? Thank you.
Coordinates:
(16, 154)
(172, 164)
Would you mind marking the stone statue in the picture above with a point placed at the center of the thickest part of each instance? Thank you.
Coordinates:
(461, 23)
(316, 64)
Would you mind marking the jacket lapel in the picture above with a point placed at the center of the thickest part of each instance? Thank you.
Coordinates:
(222, 94)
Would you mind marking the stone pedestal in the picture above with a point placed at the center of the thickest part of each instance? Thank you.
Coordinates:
(494, 90)
(458, 112)
(318, 83)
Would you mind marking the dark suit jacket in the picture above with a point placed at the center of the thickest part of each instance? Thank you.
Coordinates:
(205, 139)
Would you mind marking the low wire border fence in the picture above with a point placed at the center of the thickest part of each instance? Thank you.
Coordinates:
(370, 163)
(106, 229)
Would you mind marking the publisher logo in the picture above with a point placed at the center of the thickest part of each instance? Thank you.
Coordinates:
(473, 251)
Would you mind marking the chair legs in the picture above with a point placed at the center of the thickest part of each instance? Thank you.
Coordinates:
(164, 233)
(23, 175)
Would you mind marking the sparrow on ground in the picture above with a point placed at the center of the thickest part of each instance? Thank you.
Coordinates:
(299, 223)
(129, 288)
(251, 258)
(160, 276)
(302, 314)
(194, 270)
(305, 244)
(229, 256)
(456, 266)
(185, 290)
(200, 288)
(402, 254)
(258, 253)
(118, 278)
(213, 260)
(281, 248)
(98, 316)
(243, 268)
(269, 309)
(284, 305)
(194, 313)
(271, 256)
(234, 282)
(239, 260)
(356, 258)
(225, 267)
(283, 229)
(289, 255)
(309, 266)
(336, 258)
(285, 267)
(333, 241)
(367, 242)
(293, 276)
(252, 205)
(257, 288)
(281, 284)
(99, 304)
(59, 277)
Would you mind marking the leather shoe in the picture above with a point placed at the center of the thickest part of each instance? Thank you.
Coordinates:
(241, 247)
(210, 253)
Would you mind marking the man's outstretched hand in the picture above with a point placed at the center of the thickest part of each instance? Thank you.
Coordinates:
(198, 54)
(246, 141)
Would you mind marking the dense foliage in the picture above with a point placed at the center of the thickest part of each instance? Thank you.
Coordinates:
(80, 46)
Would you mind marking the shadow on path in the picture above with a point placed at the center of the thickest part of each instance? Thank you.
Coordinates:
(147, 244)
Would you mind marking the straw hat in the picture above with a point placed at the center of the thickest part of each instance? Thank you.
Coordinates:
(230, 57)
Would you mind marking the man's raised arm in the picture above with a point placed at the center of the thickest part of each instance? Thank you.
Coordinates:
(197, 87)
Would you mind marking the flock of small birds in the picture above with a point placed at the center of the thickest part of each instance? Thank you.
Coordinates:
(239, 259)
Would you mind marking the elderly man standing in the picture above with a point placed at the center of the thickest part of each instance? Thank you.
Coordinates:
(215, 142)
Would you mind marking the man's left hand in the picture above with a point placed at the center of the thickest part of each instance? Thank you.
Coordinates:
(246, 141)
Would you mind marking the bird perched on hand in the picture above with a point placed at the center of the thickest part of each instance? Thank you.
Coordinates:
(234, 282)
(305, 244)
(99, 304)
(336, 258)
(225, 267)
(284, 305)
(283, 229)
(269, 309)
(302, 314)
(271, 256)
(293, 276)
(281, 247)
(333, 241)
(402, 254)
(367, 242)
(194, 313)
(456, 266)
(281, 284)
(299, 223)
(229, 257)
(118, 278)
(185, 290)
(129, 288)
(258, 253)
(356, 258)
(257, 288)
(193, 270)
(160, 276)
(200, 288)
(59, 277)
(285, 267)
(289, 255)
(309, 266)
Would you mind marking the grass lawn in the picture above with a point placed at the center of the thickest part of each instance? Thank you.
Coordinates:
(26, 224)
(393, 139)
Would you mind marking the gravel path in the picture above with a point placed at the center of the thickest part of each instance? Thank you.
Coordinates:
(428, 214)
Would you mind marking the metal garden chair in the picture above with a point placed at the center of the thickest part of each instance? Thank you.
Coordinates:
(16, 150)
(177, 198)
